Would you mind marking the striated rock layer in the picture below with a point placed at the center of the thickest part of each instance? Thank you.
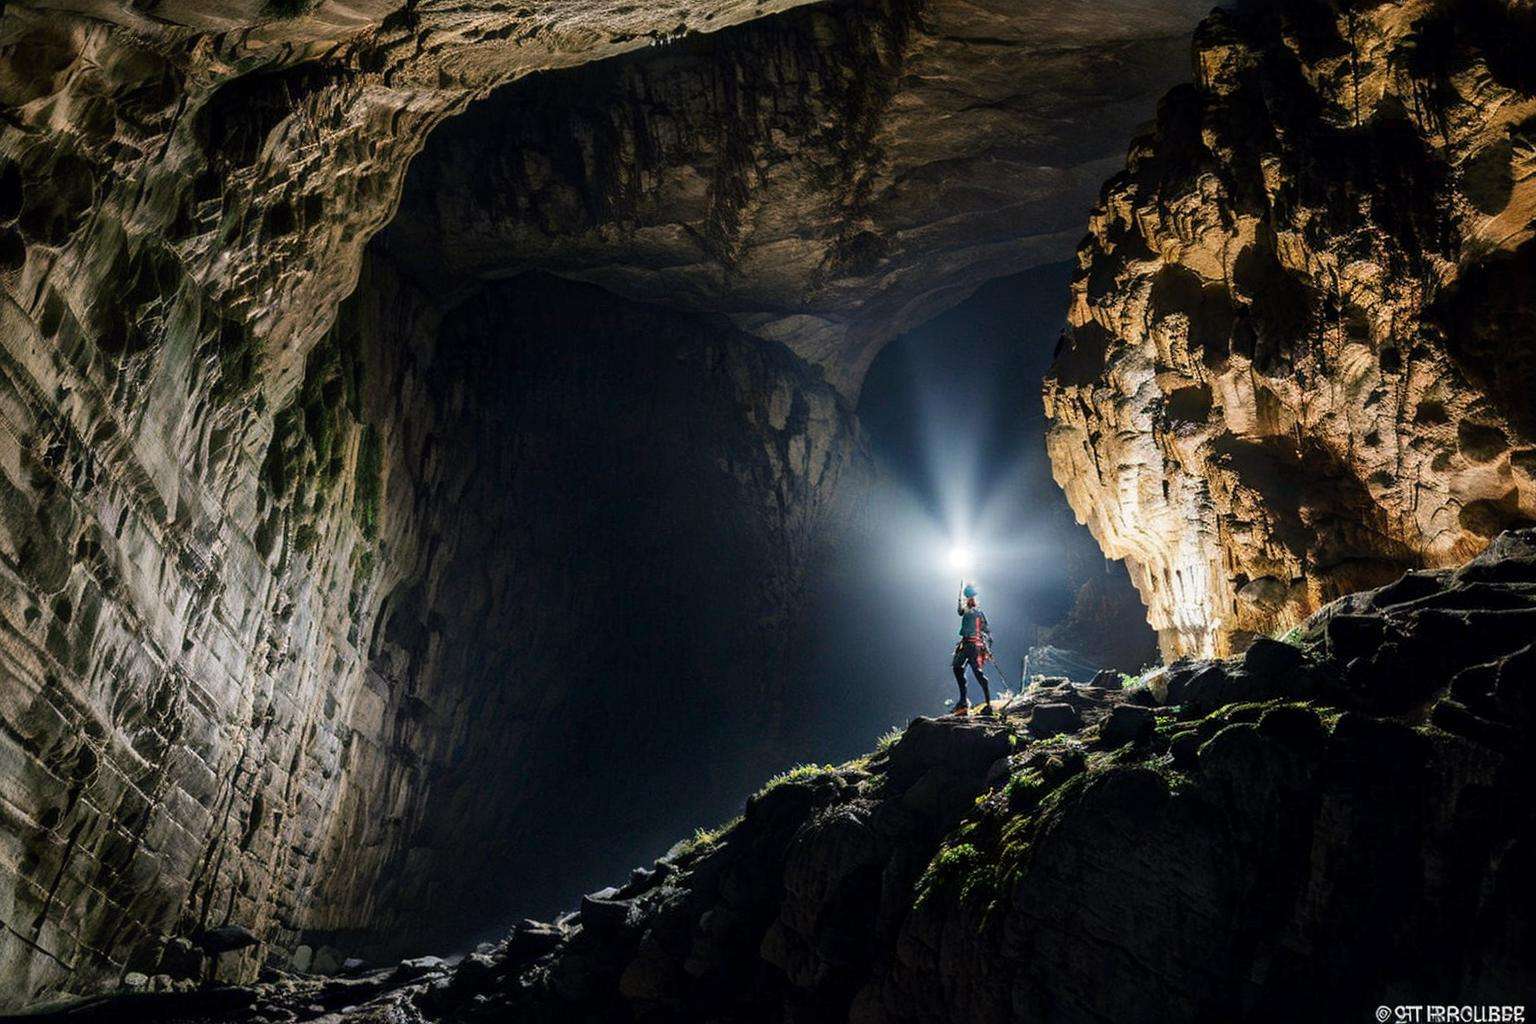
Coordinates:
(1306, 832)
(1301, 357)
(394, 674)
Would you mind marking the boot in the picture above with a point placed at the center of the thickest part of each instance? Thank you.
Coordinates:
(962, 708)
(986, 710)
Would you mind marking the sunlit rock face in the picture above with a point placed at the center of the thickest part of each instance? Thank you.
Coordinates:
(827, 178)
(1301, 356)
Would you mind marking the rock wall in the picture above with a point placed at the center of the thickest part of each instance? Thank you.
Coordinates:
(1300, 357)
(594, 545)
(184, 197)
(494, 559)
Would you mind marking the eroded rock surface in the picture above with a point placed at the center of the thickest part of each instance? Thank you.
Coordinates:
(318, 721)
(185, 191)
(1300, 358)
(1308, 831)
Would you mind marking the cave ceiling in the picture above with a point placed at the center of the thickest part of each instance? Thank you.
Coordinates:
(826, 178)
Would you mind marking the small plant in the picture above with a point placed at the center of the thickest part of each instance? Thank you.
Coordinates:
(1024, 789)
(888, 739)
(795, 774)
(961, 866)
(704, 839)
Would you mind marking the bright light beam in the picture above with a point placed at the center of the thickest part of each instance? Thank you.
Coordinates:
(961, 558)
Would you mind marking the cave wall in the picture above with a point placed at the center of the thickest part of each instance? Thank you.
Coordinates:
(231, 547)
(184, 198)
(1300, 356)
(499, 561)
(594, 550)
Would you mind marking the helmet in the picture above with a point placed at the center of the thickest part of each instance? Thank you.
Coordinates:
(970, 590)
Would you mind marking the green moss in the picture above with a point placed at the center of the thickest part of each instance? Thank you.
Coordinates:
(888, 739)
(369, 483)
(961, 871)
(1025, 789)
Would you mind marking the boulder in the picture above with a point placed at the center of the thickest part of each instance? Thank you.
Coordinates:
(1270, 657)
(1184, 749)
(327, 960)
(1126, 723)
(604, 913)
(1107, 679)
(418, 967)
(1054, 719)
(181, 959)
(532, 939)
(965, 747)
(225, 939)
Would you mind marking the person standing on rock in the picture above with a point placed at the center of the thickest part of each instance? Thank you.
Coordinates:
(974, 648)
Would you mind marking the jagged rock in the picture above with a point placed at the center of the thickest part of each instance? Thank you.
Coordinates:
(1290, 372)
(181, 959)
(326, 960)
(225, 939)
(955, 745)
(1049, 720)
(1126, 723)
(602, 912)
(418, 967)
(1107, 679)
(531, 939)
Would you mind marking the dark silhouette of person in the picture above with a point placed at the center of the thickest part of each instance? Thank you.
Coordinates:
(974, 648)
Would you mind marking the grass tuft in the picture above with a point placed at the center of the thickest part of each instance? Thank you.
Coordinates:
(796, 774)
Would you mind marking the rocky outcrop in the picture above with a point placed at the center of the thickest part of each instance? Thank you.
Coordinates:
(1300, 358)
(1322, 826)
